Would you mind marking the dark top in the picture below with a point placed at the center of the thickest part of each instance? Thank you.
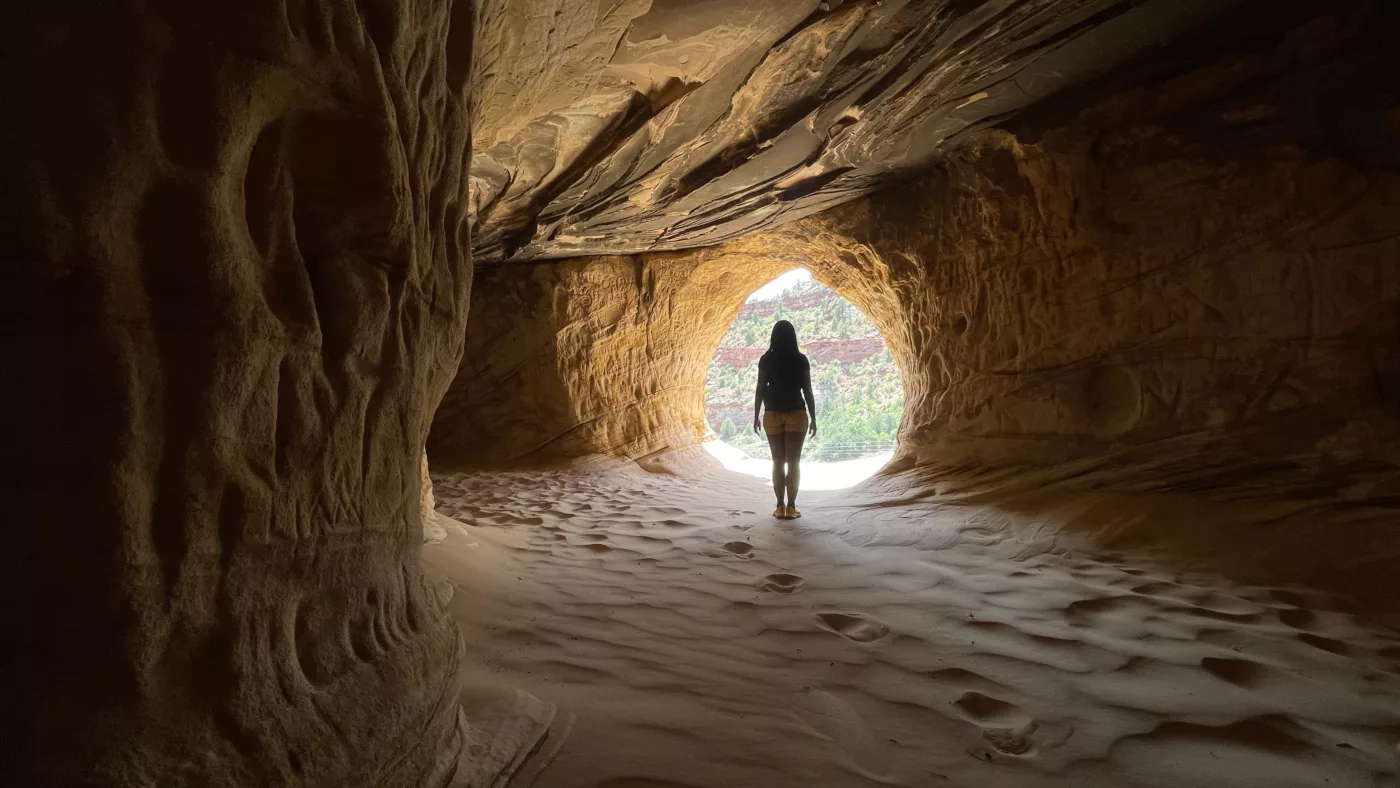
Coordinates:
(786, 377)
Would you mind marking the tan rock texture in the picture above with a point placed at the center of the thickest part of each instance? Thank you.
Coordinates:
(631, 126)
(434, 524)
(237, 271)
(1185, 289)
(1206, 264)
(1185, 281)
(235, 279)
(589, 360)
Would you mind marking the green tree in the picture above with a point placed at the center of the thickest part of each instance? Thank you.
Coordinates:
(857, 401)
(727, 429)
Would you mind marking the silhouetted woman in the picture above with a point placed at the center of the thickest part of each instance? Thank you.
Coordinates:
(784, 382)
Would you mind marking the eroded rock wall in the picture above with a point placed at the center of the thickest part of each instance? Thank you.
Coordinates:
(591, 359)
(628, 127)
(235, 281)
(1165, 316)
(1184, 283)
(1194, 282)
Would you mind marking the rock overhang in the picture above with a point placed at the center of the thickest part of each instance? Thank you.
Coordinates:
(648, 126)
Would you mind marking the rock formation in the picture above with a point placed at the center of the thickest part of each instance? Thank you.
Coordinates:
(655, 124)
(1206, 261)
(238, 273)
(1179, 281)
(236, 282)
(589, 359)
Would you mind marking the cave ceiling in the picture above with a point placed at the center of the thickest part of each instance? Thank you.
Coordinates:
(620, 126)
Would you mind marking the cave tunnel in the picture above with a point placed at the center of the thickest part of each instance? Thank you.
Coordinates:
(356, 359)
(856, 385)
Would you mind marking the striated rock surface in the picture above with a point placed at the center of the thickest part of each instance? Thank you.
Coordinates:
(1208, 254)
(1206, 263)
(1188, 289)
(237, 275)
(597, 358)
(235, 280)
(639, 125)
(1181, 282)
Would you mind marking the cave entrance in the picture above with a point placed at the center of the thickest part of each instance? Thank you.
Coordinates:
(858, 388)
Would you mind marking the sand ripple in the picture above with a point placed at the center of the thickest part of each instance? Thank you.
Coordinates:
(699, 642)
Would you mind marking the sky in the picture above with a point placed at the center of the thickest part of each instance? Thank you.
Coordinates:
(776, 287)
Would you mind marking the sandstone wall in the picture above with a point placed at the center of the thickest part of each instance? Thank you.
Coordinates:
(1168, 316)
(235, 288)
(1184, 282)
(1190, 280)
(595, 358)
(631, 126)
(1194, 282)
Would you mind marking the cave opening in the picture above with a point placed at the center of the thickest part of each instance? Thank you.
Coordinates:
(1138, 262)
(856, 383)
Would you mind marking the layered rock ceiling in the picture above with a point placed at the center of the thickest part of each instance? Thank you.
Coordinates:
(238, 271)
(619, 127)
(1179, 281)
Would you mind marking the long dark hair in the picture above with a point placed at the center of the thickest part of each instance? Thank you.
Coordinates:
(783, 354)
(782, 343)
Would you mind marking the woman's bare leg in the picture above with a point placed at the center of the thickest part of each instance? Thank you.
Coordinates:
(777, 449)
(792, 452)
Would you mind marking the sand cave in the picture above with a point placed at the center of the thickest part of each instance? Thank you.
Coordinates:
(356, 356)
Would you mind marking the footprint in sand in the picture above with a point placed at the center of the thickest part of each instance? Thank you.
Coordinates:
(1240, 672)
(1005, 728)
(1325, 644)
(854, 626)
(739, 549)
(782, 583)
(985, 709)
(1297, 617)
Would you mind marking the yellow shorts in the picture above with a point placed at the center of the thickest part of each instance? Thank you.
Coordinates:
(778, 422)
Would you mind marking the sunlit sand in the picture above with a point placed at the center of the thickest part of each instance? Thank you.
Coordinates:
(815, 475)
(690, 640)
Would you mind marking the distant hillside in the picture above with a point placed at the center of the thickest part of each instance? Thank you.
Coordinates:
(854, 377)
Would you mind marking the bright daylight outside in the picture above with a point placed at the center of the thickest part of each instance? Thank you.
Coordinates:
(857, 385)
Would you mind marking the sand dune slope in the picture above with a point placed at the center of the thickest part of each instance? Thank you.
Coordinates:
(699, 642)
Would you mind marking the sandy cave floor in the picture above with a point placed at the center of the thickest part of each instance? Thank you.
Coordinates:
(699, 642)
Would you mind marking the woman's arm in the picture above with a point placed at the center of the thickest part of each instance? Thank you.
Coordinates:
(758, 398)
(811, 402)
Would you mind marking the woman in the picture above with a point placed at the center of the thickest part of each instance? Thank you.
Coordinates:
(784, 382)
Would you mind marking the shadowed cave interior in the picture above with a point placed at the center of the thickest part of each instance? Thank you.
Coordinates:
(358, 355)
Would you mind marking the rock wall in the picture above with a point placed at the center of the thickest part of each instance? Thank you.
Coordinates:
(591, 359)
(1179, 303)
(1186, 281)
(1202, 262)
(1194, 281)
(626, 127)
(236, 278)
